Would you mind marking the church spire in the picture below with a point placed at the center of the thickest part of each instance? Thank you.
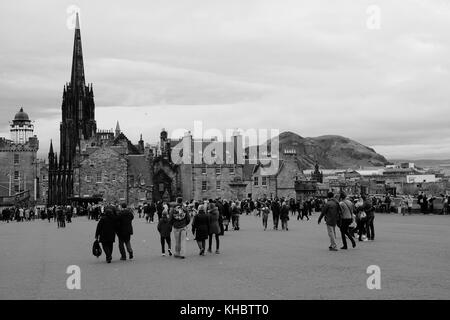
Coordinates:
(51, 147)
(118, 131)
(77, 77)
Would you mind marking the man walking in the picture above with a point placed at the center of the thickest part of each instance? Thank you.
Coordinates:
(106, 232)
(124, 232)
(275, 213)
(179, 219)
(347, 210)
(331, 212)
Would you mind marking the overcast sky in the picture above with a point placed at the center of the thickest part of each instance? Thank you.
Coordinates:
(311, 67)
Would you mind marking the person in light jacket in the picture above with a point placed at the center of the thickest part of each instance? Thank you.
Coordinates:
(347, 218)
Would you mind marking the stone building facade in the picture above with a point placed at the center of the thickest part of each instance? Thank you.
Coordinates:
(210, 169)
(280, 184)
(19, 166)
(104, 173)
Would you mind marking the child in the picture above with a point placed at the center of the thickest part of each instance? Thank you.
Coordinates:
(165, 228)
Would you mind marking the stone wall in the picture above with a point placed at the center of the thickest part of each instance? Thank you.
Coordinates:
(194, 177)
(113, 170)
(26, 167)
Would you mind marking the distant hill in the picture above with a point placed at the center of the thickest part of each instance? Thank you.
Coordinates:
(328, 151)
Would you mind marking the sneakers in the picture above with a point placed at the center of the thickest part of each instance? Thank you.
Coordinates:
(217, 252)
(202, 252)
(344, 248)
(333, 249)
(123, 258)
(170, 252)
(163, 254)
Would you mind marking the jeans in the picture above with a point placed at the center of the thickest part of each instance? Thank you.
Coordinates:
(210, 242)
(370, 228)
(165, 240)
(201, 246)
(108, 249)
(235, 222)
(362, 228)
(276, 218)
(332, 234)
(180, 241)
(284, 224)
(264, 221)
(345, 232)
(125, 241)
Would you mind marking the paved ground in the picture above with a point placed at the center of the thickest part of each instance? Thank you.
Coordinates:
(412, 252)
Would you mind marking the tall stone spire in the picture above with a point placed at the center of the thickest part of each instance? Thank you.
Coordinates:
(77, 78)
(118, 129)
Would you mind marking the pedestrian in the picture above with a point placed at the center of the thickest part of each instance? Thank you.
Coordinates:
(284, 216)
(125, 231)
(106, 232)
(227, 215)
(370, 212)
(152, 211)
(214, 227)
(265, 216)
(235, 215)
(410, 202)
(304, 211)
(179, 219)
(275, 213)
(165, 229)
(347, 218)
(200, 228)
(331, 212)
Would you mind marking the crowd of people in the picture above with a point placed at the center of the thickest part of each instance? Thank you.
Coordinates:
(210, 219)
(353, 216)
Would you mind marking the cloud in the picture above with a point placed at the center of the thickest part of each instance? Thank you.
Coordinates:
(311, 67)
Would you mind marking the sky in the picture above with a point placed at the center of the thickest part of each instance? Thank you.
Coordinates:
(377, 72)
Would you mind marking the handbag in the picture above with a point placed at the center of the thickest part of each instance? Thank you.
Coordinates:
(96, 249)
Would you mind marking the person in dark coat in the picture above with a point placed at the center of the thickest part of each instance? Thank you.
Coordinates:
(226, 215)
(124, 231)
(165, 229)
(152, 209)
(370, 212)
(275, 213)
(214, 227)
(106, 233)
(200, 228)
(284, 216)
(331, 212)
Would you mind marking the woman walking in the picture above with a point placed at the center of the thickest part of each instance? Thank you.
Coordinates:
(200, 228)
(265, 216)
(214, 227)
(165, 229)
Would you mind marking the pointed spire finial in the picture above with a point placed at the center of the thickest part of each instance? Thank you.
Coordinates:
(51, 146)
(77, 22)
